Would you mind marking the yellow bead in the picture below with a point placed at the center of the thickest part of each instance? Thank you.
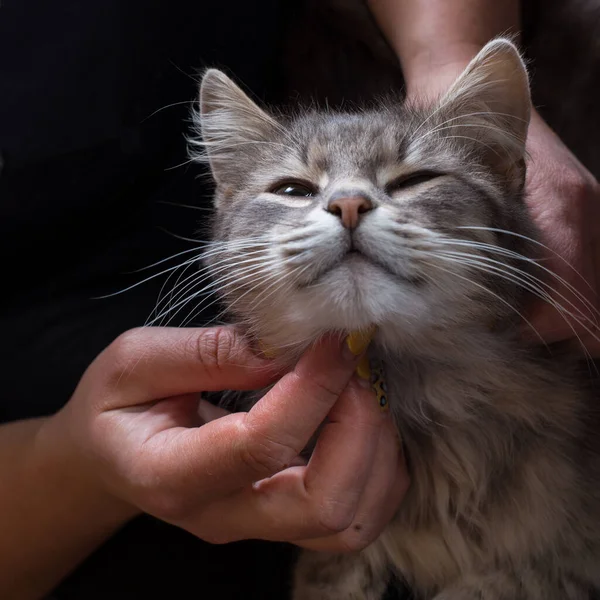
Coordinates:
(358, 341)
(363, 370)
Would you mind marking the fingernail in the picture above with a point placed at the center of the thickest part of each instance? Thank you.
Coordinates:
(358, 341)
(363, 370)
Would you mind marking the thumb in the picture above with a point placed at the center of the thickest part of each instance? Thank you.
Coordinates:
(158, 362)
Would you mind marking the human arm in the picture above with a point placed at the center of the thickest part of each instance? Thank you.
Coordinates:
(52, 513)
(130, 440)
(435, 39)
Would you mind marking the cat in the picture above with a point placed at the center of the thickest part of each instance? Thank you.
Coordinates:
(412, 218)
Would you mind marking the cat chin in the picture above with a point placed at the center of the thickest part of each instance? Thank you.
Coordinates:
(349, 298)
(357, 294)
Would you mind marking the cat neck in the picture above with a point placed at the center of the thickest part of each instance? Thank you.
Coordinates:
(443, 383)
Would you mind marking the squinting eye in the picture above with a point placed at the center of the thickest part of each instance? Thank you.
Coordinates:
(407, 181)
(291, 188)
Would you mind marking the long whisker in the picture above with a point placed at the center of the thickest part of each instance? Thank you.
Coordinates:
(515, 278)
(211, 269)
(492, 248)
(164, 260)
(188, 102)
(170, 298)
(298, 271)
(488, 291)
(219, 283)
(522, 273)
(207, 209)
(209, 272)
(163, 272)
(143, 281)
(261, 280)
(537, 291)
(466, 137)
(537, 243)
(164, 287)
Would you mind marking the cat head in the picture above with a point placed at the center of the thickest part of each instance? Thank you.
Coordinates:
(392, 215)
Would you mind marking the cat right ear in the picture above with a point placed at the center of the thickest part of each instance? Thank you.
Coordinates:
(490, 104)
(229, 122)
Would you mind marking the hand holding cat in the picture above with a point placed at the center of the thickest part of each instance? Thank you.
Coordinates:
(564, 200)
(134, 423)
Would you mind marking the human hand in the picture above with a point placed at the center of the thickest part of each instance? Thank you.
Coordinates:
(563, 198)
(133, 424)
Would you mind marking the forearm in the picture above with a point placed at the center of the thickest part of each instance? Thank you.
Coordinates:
(436, 38)
(51, 514)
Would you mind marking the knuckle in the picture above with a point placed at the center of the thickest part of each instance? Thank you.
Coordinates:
(335, 517)
(355, 541)
(124, 350)
(215, 347)
(322, 388)
(265, 456)
(357, 537)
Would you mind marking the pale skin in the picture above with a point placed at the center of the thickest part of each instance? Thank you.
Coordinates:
(129, 440)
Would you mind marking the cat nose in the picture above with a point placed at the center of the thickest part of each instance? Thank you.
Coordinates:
(349, 208)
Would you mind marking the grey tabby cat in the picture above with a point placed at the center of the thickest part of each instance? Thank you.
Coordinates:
(412, 218)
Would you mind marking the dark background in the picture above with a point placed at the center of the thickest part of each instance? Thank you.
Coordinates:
(86, 176)
(87, 189)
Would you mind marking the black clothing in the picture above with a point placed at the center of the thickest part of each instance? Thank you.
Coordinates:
(94, 102)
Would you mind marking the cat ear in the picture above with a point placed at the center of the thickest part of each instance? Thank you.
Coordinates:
(229, 123)
(491, 102)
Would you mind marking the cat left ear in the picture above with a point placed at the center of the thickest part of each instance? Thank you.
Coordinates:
(229, 122)
(491, 102)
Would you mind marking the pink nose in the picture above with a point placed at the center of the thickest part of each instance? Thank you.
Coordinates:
(349, 209)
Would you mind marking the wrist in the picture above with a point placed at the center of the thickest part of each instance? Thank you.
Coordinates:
(57, 456)
(429, 72)
(48, 495)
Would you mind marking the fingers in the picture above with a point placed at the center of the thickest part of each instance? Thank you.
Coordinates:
(344, 456)
(383, 492)
(286, 418)
(206, 472)
(352, 478)
(151, 363)
(238, 449)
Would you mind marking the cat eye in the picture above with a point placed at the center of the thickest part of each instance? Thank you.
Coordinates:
(410, 180)
(294, 188)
